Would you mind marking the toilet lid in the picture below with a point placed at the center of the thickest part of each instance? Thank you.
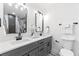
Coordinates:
(66, 52)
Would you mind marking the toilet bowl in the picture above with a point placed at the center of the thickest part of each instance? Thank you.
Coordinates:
(67, 46)
(66, 52)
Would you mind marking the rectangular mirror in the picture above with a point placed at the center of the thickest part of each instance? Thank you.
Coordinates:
(15, 18)
(39, 21)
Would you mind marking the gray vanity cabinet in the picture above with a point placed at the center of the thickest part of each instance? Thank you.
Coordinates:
(33, 52)
(42, 51)
(45, 48)
(38, 48)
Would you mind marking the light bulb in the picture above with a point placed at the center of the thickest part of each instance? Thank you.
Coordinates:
(10, 4)
(46, 17)
(22, 8)
(16, 6)
(35, 11)
(20, 3)
(13, 13)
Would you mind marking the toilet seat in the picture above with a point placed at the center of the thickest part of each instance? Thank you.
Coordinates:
(66, 52)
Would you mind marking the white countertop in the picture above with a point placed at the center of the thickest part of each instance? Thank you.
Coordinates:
(10, 43)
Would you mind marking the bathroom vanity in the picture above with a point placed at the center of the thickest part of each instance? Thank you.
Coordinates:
(33, 47)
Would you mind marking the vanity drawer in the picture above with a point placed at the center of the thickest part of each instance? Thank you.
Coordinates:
(34, 52)
(48, 39)
(41, 50)
(42, 41)
(33, 45)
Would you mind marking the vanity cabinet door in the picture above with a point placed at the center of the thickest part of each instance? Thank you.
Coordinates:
(26, 54)
(33, 45)
(40, 48)
(34, 52)
(17, 52)
(47, 47)
(42, 51)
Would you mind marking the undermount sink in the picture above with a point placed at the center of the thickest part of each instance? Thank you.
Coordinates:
(20, 41)
(24, 39)
(35, 37)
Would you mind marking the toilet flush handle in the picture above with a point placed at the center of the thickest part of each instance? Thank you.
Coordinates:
(57, 41)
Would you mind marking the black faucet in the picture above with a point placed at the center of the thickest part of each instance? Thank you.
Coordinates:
(19, 37)
(32, 33)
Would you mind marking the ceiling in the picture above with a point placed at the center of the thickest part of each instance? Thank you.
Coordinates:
(44, 7)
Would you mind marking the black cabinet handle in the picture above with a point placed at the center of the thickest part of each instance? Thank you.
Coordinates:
(41, 42)
(41, 49)
(57, 41)
(26, 54)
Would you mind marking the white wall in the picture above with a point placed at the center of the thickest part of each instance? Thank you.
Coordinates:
(65, 14)
(59, 13)
(62, 13)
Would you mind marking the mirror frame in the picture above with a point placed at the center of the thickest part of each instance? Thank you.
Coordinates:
(4, 21)
(0, 22)
(36, 22)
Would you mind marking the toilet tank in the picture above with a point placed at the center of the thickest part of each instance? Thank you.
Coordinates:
(67, 42)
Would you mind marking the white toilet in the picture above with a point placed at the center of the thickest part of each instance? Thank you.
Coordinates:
(66, 52)
(67, 46)
(68, 39)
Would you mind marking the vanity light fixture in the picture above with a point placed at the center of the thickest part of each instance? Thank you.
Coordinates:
(22, 6)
